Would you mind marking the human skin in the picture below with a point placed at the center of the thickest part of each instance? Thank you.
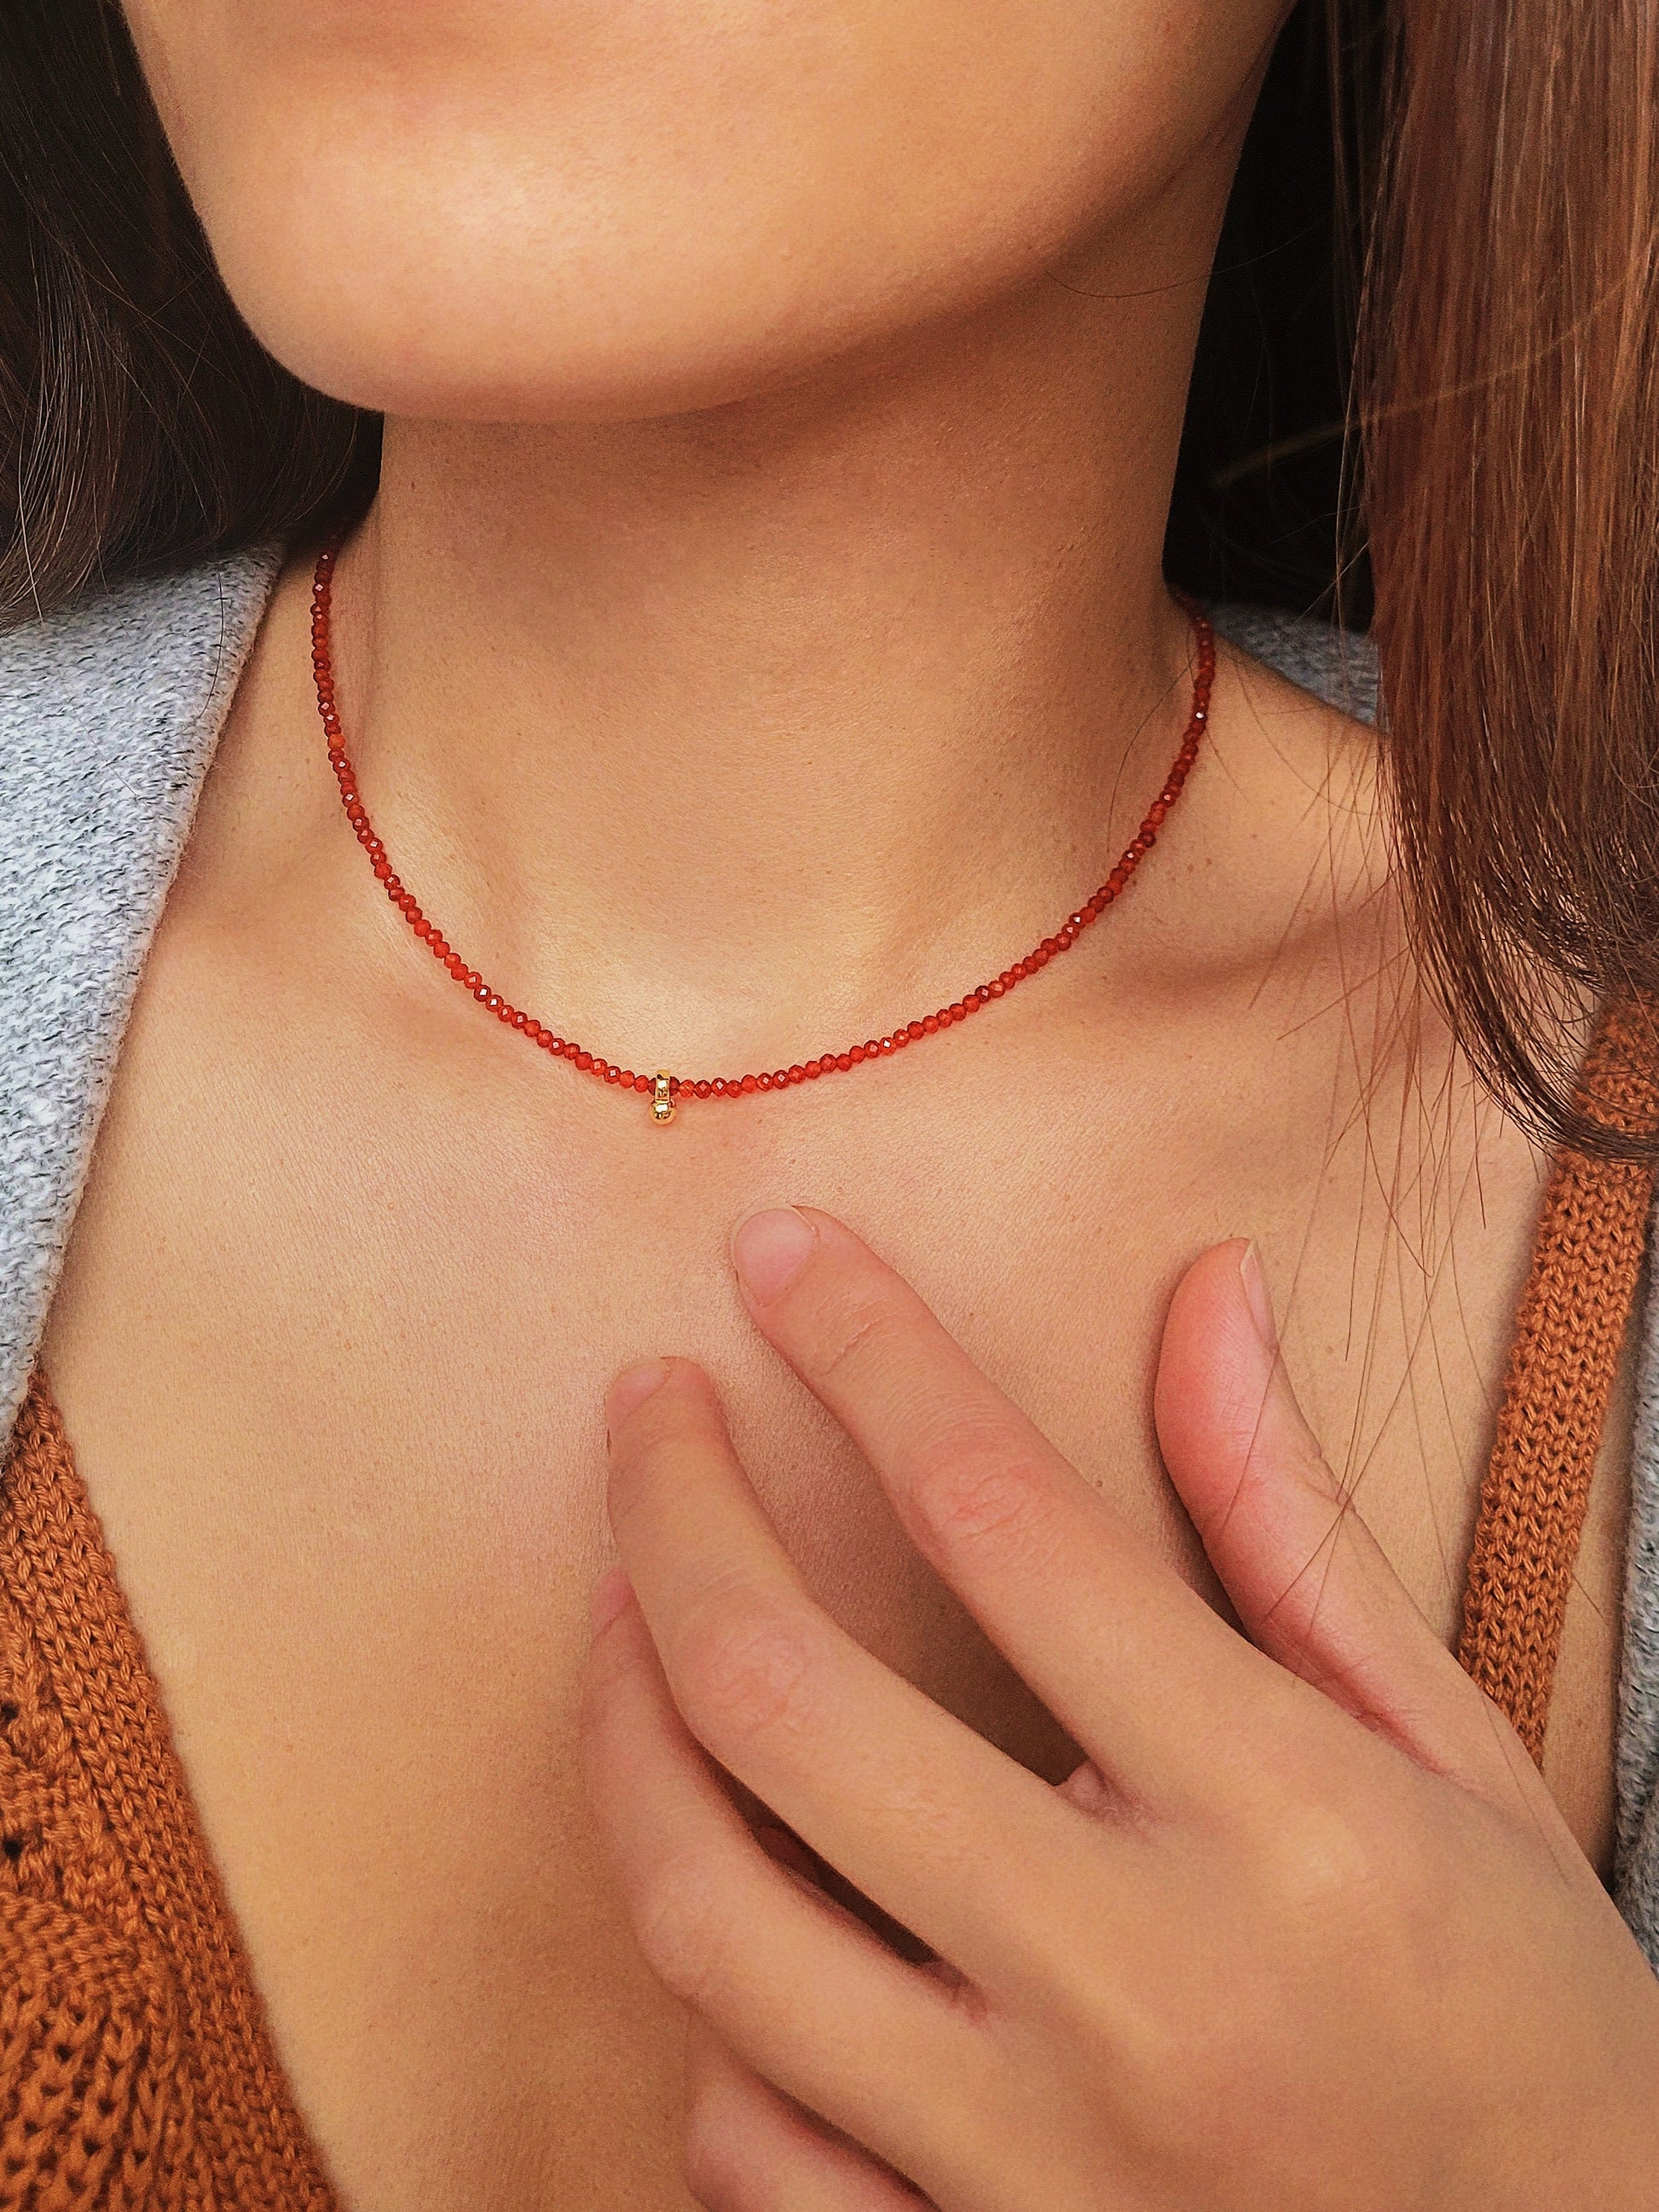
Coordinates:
(759, 633)
(1303, 1930)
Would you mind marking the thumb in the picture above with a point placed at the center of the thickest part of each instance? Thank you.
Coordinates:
(1311, 1585)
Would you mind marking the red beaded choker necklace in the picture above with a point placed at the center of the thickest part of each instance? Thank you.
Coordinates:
(666, 1091)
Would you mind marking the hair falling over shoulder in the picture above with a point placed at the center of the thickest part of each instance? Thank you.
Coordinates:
(1506, 404)
(1437, 396)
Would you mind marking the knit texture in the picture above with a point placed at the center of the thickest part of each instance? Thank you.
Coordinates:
(135, 2074)
(1636, 1878)
(1569, 1334)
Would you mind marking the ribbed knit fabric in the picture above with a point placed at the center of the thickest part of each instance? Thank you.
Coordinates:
(1569, 1334)
(136, 2073)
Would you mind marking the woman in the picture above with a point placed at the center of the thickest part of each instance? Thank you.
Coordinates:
(758, 636)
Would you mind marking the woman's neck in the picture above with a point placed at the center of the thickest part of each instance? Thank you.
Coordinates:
(789, 704)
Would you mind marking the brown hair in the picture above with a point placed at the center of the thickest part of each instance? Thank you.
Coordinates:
(1507, 384)
(141, 426)
(1479, 437)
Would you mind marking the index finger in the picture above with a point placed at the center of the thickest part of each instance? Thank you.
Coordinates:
(1129, 1657)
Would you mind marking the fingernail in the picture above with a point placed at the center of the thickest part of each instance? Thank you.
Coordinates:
(610, 1594)
(631, 1389)
(769, 1249)
(1255, 1297)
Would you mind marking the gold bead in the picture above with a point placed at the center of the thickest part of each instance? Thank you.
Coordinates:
(662, 1098)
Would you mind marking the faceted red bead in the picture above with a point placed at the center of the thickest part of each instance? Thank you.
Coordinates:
(725, 1086)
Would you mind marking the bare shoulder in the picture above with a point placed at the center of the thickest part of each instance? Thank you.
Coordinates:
(1282, 860)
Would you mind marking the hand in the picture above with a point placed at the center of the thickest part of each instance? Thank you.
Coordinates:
(1305, 1930)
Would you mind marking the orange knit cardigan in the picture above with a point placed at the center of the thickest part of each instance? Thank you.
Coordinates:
(137, 2074)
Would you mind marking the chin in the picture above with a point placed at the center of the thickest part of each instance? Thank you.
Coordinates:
(581, 325)
(578, 329)
(590, 213)
(480, 283)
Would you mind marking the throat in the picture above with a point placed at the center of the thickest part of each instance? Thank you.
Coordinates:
(666, 1091)
(825, 704)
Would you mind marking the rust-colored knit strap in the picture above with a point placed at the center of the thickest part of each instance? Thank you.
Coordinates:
(1569, 1333)
(137, 2070)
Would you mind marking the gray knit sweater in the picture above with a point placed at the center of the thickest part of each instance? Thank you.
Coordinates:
(109, 713)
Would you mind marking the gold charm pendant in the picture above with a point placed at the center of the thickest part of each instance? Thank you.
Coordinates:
(662, 1098)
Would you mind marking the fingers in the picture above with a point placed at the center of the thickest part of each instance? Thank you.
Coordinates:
(843, 2024)
(916, 1810)
(1133, 1662)
(1311, 1585)
(749, 2149)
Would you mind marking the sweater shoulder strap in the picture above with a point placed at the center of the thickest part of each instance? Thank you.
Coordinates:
(1569, 1337)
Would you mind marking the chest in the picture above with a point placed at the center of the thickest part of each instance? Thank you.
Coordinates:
(342, 1302)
